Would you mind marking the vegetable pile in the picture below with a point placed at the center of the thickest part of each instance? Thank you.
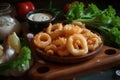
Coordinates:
(106, 22)
(15, 57)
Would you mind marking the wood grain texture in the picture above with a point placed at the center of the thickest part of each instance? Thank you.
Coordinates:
(52, 71)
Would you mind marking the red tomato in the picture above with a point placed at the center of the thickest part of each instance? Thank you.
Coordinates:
(23, 8)
(66, 7)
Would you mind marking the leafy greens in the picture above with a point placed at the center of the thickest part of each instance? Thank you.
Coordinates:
(20, 64)
(106, 22)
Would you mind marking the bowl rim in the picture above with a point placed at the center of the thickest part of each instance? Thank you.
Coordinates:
(69, 59)
(53, 14)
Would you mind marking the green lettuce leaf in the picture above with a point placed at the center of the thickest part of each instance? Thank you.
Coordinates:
(19, 65)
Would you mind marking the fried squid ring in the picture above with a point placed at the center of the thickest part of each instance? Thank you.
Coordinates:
(63, 51)
(61, 46)
(70, 29)
(81, 42)
(60, 42)
(86, 33)
(41, 40)
(93, 42)
(56, 35)
(53, 28)
(50, 49)
(80, 24)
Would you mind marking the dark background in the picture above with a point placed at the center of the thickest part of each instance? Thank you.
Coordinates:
(60, 3)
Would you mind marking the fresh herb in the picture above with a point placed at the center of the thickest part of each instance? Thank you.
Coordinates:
(106, 22)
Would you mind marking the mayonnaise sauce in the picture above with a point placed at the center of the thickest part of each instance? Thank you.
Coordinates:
(40, 17)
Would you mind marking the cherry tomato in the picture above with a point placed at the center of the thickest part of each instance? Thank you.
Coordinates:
(66, 7)
(23, 8)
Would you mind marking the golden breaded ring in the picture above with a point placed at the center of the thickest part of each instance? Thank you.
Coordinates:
(41, 40)
(80, 40)
(53, 28)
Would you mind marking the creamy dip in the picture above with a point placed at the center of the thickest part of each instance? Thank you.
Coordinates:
(40, 17)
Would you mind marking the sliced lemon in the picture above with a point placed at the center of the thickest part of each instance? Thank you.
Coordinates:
(14, 42)
(1, 51)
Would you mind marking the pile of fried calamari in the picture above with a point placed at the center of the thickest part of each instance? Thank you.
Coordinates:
(67, 39)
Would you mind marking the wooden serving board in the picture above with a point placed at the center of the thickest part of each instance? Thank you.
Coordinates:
(107, 58)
